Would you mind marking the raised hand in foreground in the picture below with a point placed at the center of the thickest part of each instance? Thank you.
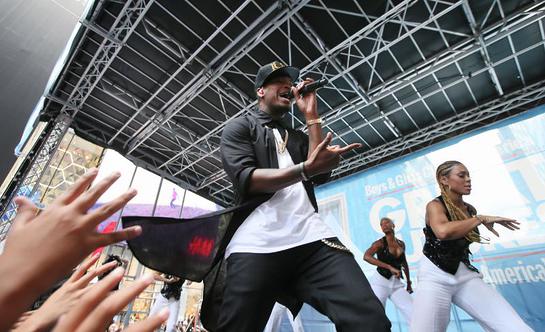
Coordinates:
(95, 310)
(63, 299)
(43, 247)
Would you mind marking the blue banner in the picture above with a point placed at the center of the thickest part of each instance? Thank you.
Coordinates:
(506, 162)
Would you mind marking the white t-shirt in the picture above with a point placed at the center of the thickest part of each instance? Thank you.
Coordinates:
(285, 221)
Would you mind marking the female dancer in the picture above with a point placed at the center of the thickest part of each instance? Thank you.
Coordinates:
(390, 253)
(446, 276)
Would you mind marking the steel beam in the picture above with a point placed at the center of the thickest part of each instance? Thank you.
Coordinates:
(217, 67)
(456, 124)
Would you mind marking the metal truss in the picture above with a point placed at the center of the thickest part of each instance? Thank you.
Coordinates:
(428, 66)
(328, 56)
(483, 50)
(216, 68)
(27, 179)
(113, 40)
(138, 105)
(131, 14)
(216, 132)
(453, 54)
(174, 128)
(163, 37)
(500, 108)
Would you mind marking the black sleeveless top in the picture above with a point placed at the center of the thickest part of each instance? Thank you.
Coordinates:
(385, 256)
(447, 254)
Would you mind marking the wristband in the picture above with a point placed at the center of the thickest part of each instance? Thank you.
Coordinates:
(314, 121)
(302, 171)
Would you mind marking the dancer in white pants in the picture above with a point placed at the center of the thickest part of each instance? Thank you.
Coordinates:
(446, 275)
(390, 259)
(168, 296)
(277, 314)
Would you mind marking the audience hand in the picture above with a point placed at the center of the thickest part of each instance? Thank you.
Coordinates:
(65, 298)
(97, 307)
(42, 248)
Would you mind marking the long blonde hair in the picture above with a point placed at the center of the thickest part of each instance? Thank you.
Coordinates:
(455, 213)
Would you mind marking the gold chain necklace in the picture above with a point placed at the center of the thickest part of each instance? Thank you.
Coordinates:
(281, 144)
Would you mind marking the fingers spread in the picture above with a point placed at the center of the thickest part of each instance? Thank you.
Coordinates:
(77, 188)
(80, 271)
(349, 148)
(101, 317)
(86, 279)
(88, 199)
(96, 216)
(89, 302)
(114, 237)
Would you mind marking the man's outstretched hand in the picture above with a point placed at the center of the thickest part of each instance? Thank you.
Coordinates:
(326, 157)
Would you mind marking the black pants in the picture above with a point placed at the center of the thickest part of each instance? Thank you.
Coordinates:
(328, 279)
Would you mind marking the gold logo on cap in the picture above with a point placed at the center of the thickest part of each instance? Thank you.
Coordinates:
(277, 65)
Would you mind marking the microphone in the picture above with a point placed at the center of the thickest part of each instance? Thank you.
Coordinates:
(311, 87)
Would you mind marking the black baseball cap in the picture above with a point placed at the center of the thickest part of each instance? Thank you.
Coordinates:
(275, 69)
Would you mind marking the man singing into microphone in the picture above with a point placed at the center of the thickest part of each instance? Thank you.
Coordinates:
(283, 251)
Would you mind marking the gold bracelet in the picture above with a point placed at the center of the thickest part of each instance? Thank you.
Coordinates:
(314, 121)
